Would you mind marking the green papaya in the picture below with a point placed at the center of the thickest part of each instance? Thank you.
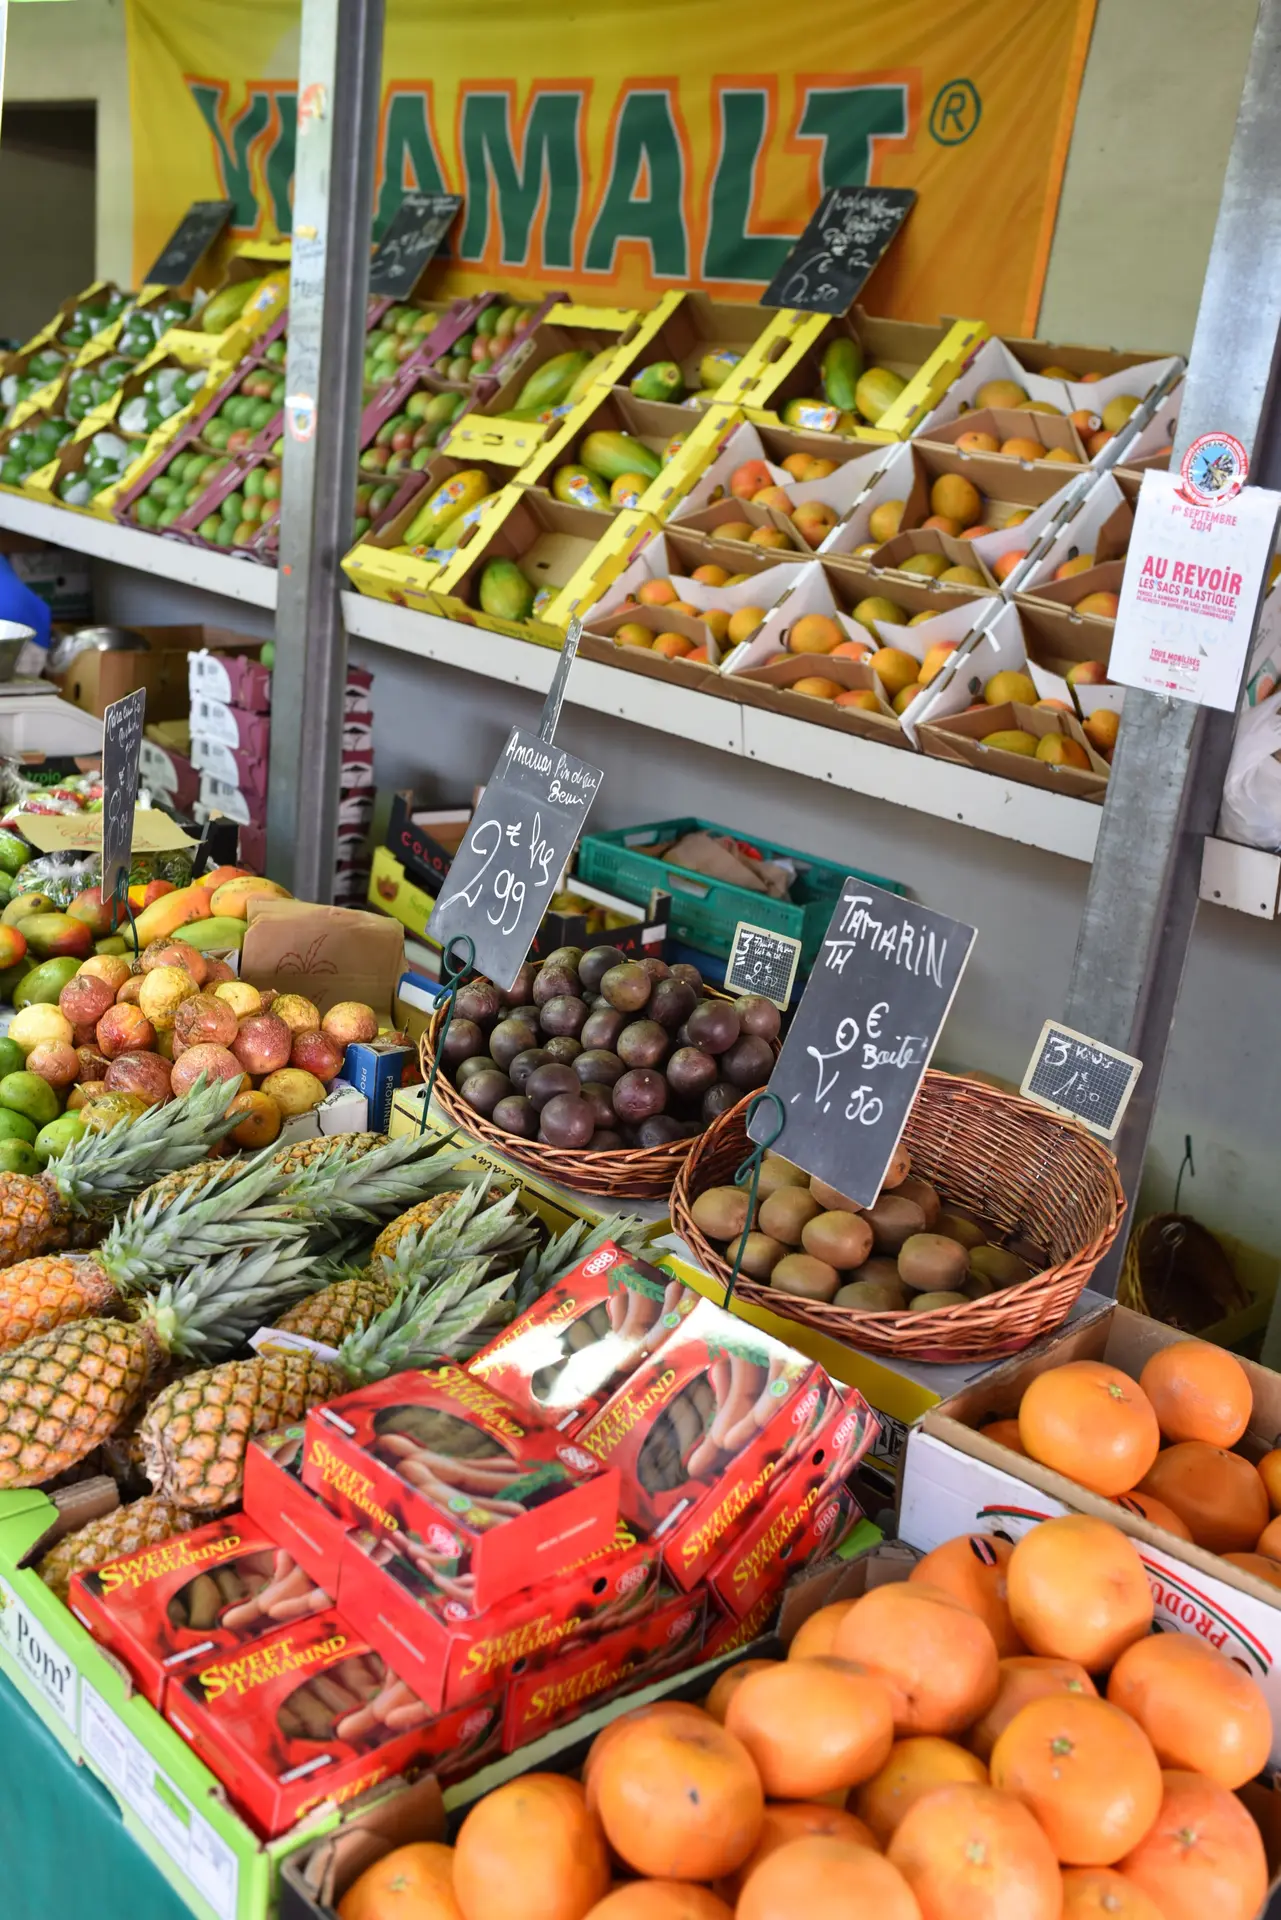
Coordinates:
(549, 384)
(504, 591)
(877, 391)
(591, 373)
(842, 371)
(577, 487)
(228, 305)
(451, 497)
(715, 368)
(610, 454)
(662, 381)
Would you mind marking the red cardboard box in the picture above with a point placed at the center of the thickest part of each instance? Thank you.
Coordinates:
(587, 1673)
(809, 1510)
(439, 1455)
(172, 1607)
(275, 1497)
(561, 1359)
(415, 1613)
(315, 1715)
(726, 1634)
(699, 1431)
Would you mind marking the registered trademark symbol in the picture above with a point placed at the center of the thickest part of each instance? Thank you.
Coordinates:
(956, 112)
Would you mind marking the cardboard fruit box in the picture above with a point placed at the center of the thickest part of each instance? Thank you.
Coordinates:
(1006, 358)
(94, 680)
(613, 640)
(264, 260)
(1053, 433)
(927, 358)
(960, 738)
(274, 1496)
(654, 424)
(377, 567)
(565, 328)
(1098, 522)
(1052, 640)
(691, 328)
(855, 467)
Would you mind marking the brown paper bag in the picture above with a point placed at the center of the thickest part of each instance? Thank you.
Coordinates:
(326, 953)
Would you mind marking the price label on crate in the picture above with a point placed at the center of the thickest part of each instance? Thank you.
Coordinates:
(507, 869)
(1074, 1075)
(190, 241)
(762, 962)
(862, 1036)
(417, 228)
(121, 747)
(845, 239)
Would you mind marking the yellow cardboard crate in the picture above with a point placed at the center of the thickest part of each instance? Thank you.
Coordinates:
(51, 330)
(392, 892)
(265, 260)
(928, 358)
(43, 484)
(375, 567)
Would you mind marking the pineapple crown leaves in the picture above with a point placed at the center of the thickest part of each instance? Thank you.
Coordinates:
(579, 1240)
(164, 1139)
(424, 1323)
(215, 1306)
(336, 1189)
(172, 1231)
(466, 1228)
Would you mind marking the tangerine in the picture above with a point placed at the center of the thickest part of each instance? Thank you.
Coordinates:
(678, 1800)
(1086, 1771)
(530, 1847)
(661, 1900)
(1025, 1678)
(1100, 1893)
(1005, 1433)
(1198, 1392)
(915, 1767)
(1155, 1512)
(1261, 1565)
(1092, 1423)
(817, 1635)
(416, 1881)
(970, 1853)
(678, 1709)
(787, 1820)
(1269, 1541)
(939, 1659)
(1078, 1591)
(1200, 1711)
(972, 1569)
(1269, 1470)
(1218, 1495)
(724, 1689)
(825, 1878)
(812, 1726)
(1203, 1856)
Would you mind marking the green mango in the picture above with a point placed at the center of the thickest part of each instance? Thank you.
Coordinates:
(211, 936)
(661, 381)
(58, 1136)
(28, 1094)
(16, 1156)
(110, 943)
(16, 1126)
(228, 305)
(842, 371)
(505, 592)
(14, 852)
(11, 978)
(12, 1058)
(550, 383)
(41, 987)
(22, 904)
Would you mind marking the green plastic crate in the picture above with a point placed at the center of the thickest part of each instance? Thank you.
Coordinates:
(705, 912)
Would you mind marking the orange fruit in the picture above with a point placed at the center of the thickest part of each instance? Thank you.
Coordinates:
(1269, 1541)
(970, 1853)
(1155, 1512)
(724, 1689)
(1092, 1423)
(1078, 1591)
(1005, 1433)
(956, 498)
(416, 1881)
(542, 1817)
(787, 1820)
(1198, 1392)
(1086, 1771)
(733, 530)
(1101, 729)
(679, 1799)
(817, 1635)
(825, 1878)
(1103, 605)
(812, 1726)
(1218, 1495)
(661, 1900)
(1203, 1857)
(1269, 1470)
(972, 1570)
(914, 1768)
(1259, 1564)
(884, 520)
(1025, 1678)
(817, 687)
(743, 623)
(943, 523)
(1200, 1711)
(1020, 447)
(678, 1709)
(1100, 1893)
(939, 1659)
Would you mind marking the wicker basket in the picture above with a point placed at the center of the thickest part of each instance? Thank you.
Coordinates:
(633, 1173)
(989, 1153)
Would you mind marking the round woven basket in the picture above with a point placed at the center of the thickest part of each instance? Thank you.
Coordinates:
(634, 1173)
(988, 1153)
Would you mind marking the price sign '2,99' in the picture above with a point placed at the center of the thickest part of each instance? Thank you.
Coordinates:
(521, 835)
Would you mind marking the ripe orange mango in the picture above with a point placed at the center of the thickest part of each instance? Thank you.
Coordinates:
(231, 900)
(1056, 750)
(174, 910)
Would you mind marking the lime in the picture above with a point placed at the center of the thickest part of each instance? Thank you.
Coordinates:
(16, 1156)
(28, 1094)
(16, 1126)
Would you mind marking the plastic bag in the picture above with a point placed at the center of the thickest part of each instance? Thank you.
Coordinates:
(1251, 811)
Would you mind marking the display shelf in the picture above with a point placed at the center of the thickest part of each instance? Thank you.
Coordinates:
(219, 573)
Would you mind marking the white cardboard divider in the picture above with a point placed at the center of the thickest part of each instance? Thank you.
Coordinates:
(656, 561)
(1077, 532)
(995, 361)
(892, 481)
(1158, 431)
(995, 647)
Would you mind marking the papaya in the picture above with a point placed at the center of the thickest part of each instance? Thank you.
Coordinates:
(224, 307)
(579, 488)
(715, 368)
(451, 497)
(610, 454)
(505, 592)
(877, 391)
(842, 370)
(171, 911)
(661, 381)
(447, 537)
(549, 384)
(211, 936)
(232, 899)
(626, 491)
(673, 447)
(591, 373)
(814, 415)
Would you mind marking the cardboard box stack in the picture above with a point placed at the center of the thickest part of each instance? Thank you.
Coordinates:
(356, 790)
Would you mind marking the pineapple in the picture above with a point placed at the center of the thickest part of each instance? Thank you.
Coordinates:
(424, 1215)
(37, 1295)
(195, 1433)
(100, 1172)
(65, 1392)
(329, 1316)
(125, 1530)
(297, 1158)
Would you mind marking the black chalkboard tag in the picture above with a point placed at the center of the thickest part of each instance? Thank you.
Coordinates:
(190, 241)
(416, 230)
(863, 1034)
(762, 962)
(1071, 1074)
(121, 745)
(845, 239)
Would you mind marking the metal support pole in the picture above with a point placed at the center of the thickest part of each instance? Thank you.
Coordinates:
(1171, 759)
(338, 94)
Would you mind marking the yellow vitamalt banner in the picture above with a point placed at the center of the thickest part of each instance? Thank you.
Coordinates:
(620, 151)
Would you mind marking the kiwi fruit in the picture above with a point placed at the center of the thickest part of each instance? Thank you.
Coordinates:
(899, 1168)
(884, 1272)
(829, 1198)
(842, 1239)
(760, 1254)
(777, 1172)
(925, 1196)
(962, 1227)
(928, 1302)
(784, 1214)
(893, 1221)
(802, 1274)
(997, 1264)
(720, 1212)
(872, 1296)
(929, 1263)
(977, 1288)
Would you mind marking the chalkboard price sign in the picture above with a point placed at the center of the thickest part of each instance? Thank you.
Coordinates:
(762, 962)
(863, 1035)
(845, 239)
(1074, 1075)
(521, 835)
(121, 746)
(417, 228)
(190, 241)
